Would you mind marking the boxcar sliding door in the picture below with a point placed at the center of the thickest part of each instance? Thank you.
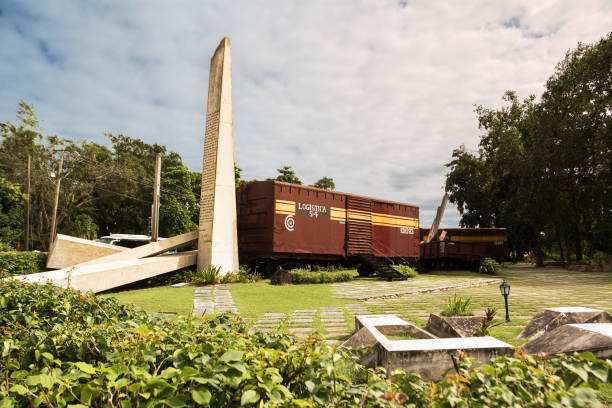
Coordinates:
(358, 226)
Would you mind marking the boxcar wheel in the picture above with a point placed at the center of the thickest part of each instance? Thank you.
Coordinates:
(364, 270)
(269, 268)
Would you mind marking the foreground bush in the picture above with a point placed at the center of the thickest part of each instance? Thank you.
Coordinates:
(457, 306)
(489, 266)
(23, 263)
(405, 270)
(64, 348)
(305, 276)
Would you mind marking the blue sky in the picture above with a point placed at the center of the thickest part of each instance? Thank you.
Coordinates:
(375, 94)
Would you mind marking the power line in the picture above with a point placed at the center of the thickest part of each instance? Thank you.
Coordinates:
(121, 194)
(142, 182)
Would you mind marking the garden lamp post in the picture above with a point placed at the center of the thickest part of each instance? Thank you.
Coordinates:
(504, 288)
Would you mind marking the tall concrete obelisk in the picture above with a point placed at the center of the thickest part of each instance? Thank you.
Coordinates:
(217, 234)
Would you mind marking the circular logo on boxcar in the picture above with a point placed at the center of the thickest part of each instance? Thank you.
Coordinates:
(289, 222)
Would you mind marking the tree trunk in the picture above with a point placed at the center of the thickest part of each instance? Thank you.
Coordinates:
(561, 249)
(539, 258)
(578, 247)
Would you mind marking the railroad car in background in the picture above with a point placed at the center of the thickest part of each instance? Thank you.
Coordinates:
(462, 247)
(283, 223)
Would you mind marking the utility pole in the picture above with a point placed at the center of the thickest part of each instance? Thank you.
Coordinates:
(27, 220)
(57, 191)
(155, 207)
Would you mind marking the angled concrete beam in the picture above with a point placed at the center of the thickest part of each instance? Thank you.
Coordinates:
(100, 277)
(152, 249)
(67, 251)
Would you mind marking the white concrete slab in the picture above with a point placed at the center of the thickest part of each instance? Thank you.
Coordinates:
(67, 251)
(572, 309)
(152, 249)
(601, 328)
(100, 277)
(458, 343)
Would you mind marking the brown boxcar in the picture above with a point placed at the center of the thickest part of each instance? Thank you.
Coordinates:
(282, 221)
(465, 244)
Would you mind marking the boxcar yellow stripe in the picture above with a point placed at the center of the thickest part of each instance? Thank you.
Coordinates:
(404, 221)
(285, 207)
(392, 217)
(397, 225)
(354, 216)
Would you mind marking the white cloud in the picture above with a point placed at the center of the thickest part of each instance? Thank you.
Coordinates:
(373, 94)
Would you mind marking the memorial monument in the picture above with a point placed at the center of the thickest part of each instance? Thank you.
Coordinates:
(87, 265)
(217, 231)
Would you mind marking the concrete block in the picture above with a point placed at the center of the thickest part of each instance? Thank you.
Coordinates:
(152, 249)
(575, 338)
(68, 251)
(431, 359)
(551, 318)
(104, 276)
(428, 356)
(454, 326)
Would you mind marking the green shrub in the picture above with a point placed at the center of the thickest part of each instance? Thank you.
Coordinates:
(63, 347)
(23, 263)
(487, 323)
(457, 306)
(299, 276)
(244, 275)
(328, 268)
(6, 247)
(489, 266)
(208, 276)
(405, 270)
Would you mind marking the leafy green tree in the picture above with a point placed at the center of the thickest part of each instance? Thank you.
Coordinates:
(179, 206)
(576, 118)
(543, 169)
(287, 174)
(12, 202)
(326, 183)
(237, 173)
(18, 140)
(84, 226)
(126, 206)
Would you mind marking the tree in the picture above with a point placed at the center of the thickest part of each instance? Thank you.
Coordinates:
(84, 226)
(237, 173)
(179, 205)
(108, 190)
(543, 170)
(287, 174)
(12, 202)
(326, 183)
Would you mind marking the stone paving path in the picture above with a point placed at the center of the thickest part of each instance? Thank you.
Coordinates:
(213, 299)
(363, 289)
(531, 290)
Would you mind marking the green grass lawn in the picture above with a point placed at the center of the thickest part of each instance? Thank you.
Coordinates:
(532, 290)
(255, 299)
(159, 299)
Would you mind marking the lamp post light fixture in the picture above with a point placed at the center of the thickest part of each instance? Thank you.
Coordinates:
(504, 288)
